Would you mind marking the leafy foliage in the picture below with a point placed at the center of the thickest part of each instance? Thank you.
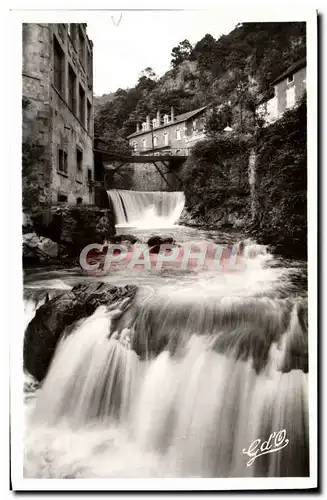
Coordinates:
(235, 68)
(216, 172)
(181, 53)
(282, 182)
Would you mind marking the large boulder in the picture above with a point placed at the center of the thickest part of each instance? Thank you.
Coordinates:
(57, 317)
(154, 242)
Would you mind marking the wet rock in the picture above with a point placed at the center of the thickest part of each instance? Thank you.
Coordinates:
(57, 318)
(155, 241)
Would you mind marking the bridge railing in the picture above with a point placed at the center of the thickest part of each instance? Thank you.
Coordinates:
(162, 152)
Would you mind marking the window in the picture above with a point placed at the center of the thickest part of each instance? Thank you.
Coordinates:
(81, 47)
(290, 79)
(154, 123)
(82, 105)
(134, 146)
(58, 66)
(144, 143)
(178, 134)
(62, 197)
(89, 176)
(79, 201)
(62, 161)
(89, 116)
(71, 89)
(194, 125)
(79, 160)
(166, 138)
(166, 119)
(155, 141)
(290, 97)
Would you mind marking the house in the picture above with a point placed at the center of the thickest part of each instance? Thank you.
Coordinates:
(288, 89)
(57, 114)
(169, 133)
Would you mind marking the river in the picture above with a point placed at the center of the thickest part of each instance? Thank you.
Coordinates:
(233, 369)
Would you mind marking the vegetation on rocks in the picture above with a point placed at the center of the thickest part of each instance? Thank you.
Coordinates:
(215, 181)
(282, 183)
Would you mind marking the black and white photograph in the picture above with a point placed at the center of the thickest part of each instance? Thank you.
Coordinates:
(167, 232)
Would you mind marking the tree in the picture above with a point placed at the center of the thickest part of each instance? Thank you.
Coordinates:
(149, 73)
(181, 53)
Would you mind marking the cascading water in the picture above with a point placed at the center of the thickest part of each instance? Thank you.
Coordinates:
(179, 383)
(146, 209)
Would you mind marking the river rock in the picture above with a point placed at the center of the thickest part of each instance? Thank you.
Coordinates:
(57, 317)
(155, 242)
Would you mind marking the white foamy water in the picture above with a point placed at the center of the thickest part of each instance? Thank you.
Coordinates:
(146, 209)
(198, 367)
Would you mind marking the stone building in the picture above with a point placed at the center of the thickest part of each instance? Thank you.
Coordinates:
(57, 108)
(178, 133)
(288, 88)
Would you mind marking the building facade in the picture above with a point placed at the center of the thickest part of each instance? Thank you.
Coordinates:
(170, 133)
(288, 89)
(57, 114)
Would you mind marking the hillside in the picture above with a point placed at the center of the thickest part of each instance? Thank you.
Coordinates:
(99, 101)
(231, 75)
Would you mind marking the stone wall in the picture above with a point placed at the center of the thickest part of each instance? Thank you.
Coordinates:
(36, 133)
(49, 123)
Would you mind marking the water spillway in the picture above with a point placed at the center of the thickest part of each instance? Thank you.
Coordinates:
(146, 209)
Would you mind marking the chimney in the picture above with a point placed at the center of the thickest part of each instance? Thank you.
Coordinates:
(158, 118)
(137, 127)
(148, 122)
(172, 114)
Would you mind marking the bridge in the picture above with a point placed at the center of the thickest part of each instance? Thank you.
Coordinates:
(170, 158)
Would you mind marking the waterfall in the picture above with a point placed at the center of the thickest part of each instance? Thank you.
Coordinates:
(146, 209)
(178, 389)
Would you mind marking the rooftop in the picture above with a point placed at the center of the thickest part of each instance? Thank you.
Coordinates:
(295, 67)
(178, 119)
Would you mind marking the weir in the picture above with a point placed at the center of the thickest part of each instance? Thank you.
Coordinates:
(147, 209)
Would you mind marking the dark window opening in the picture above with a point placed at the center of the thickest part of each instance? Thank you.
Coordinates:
(79, 160)
(89, 116)
(89, 175)
(62, 161)
(290, 79)
(62, 197)
(58, 66)
(82, 105)
(79, 201)
(71, 89)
